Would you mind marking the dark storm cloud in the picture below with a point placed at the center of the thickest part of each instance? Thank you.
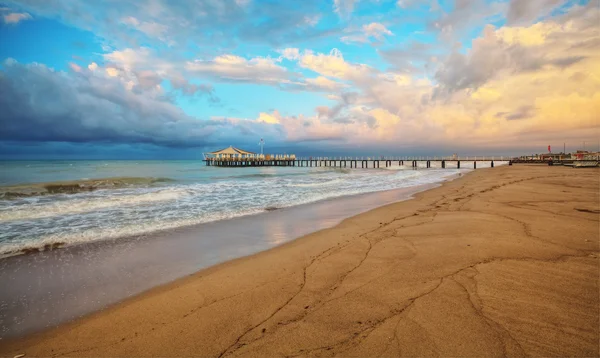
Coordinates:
(42, 105)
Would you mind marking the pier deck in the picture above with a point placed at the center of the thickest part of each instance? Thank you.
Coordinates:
(364, 163)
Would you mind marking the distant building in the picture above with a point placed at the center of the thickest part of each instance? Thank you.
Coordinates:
(554, 156)
(235, 154)
(585, 155)
(232, 153)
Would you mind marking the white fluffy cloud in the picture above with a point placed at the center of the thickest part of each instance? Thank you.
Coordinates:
(520, 86)
(145, 67)
(235, 68)
(521, 83)
(290, 53)
(368, 33)
(144, 70)
(333, 65)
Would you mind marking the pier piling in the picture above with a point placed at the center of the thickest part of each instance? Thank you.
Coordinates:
(290, 161)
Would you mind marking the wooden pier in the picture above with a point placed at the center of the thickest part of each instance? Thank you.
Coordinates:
(355, 163)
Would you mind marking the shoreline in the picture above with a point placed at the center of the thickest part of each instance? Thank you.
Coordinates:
(300, 284)
(63, 244)
(95, 261)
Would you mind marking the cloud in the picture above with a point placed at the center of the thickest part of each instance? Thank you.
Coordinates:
(316, 84)
(514, 86)
(152, 29)
(75, 67)
(412, 57)
(261, 70)
(514, 50)
(208, 22)
(465, 15)
(146, 70)
(521, 113)
(43, 105)
(376, 30)
(312, 20)
(518, 87)
(405, 4)
(373, 31)
(332, 65)
(324, 83)
(269, 118)
(16, 17)
(344, 8)
(89, 106)
(290, 53)
(524, 12)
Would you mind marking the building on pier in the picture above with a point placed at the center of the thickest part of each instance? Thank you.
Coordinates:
(232, 154)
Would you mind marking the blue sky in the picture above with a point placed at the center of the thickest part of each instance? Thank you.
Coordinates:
(161, 79)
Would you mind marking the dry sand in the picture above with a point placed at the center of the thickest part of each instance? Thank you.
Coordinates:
(502, 261)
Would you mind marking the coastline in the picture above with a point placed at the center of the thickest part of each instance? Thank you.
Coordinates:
(139, 207)
(79, 279)
(425, 261)
(410, 190)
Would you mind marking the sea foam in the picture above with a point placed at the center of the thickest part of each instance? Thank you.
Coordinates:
(214, 194)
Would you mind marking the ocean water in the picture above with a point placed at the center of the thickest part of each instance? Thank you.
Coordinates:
(99, 200)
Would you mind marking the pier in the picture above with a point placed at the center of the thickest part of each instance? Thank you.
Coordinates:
(353, 163)
(234, 157)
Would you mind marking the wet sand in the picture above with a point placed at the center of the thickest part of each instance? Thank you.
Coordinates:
(43, 289)
(502, 261)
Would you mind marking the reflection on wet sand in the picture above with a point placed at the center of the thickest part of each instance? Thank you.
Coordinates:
(46, 288)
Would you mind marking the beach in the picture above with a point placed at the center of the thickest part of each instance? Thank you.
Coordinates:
(501, 261)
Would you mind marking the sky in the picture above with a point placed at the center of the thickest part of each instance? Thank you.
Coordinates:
(160, 79)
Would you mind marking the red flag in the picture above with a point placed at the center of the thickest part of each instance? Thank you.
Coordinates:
(549, 151)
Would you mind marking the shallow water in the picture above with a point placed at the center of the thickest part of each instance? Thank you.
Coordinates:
(149, 196)
(146, 233)
(43, 289)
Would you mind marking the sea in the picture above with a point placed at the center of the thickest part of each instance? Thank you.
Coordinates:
(47, 204)
(79, 236)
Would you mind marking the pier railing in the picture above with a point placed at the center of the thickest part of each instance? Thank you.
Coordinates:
(356, 162)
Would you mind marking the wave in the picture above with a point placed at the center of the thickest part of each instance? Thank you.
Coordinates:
(76, 186)
(87, 204)
(138, 207)
(55, 241)
(317, 184)
(314, 171)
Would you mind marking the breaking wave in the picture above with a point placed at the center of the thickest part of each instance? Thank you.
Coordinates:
(51, 215)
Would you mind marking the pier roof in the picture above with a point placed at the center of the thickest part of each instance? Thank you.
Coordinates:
(231, 150)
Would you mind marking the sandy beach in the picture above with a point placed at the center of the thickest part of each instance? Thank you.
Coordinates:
(500, 262)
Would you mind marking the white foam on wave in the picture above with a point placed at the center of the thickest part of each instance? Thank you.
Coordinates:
(317, 184)
(119, 213)
(115, 232)
(85, 203)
